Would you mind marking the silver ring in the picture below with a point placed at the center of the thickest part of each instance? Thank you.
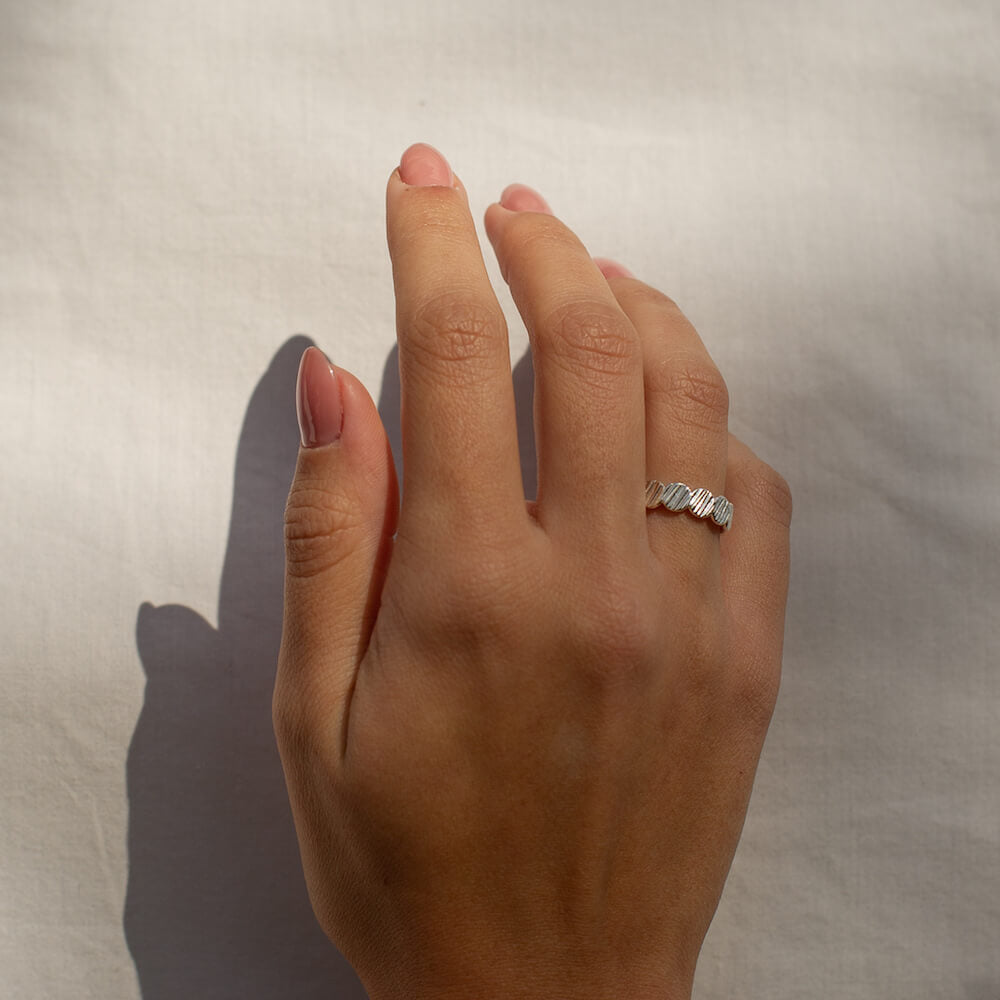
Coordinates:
(700, 503)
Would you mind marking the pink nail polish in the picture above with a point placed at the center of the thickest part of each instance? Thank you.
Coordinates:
(521, 198)
(612, 269)
(317, 400)
(423, 166)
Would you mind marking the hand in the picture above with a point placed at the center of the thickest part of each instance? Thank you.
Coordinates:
(520, 737)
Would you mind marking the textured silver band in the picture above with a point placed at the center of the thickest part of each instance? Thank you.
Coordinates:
(700, 503)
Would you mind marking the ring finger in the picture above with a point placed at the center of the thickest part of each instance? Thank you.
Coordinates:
(687, 415)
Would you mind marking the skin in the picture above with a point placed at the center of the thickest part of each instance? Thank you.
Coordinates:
(520, 737)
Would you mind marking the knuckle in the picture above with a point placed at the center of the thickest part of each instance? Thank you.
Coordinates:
(591, 339)
(769, 494)
(288, 719)
(705, 677)
(618, 630)
(491, 587)
(647, 294)
(690, 588)
(304, 736)
(704, 647)
(755, 690)
(470, 602)
(531, 235)
(423, 223)
(693, 390)
(450, 333)
(316, 523)
(719, 675)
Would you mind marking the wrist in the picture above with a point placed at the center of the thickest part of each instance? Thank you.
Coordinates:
(487, 985)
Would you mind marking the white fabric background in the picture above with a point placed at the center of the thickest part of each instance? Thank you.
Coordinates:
(186, 186)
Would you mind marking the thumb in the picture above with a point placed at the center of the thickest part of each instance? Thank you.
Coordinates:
(339, 522)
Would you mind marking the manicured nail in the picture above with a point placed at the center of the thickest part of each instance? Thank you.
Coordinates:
(521, 198)
(423, 166)
(612, 269)
(317, 400)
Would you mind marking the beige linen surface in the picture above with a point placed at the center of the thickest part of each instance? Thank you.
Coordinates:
(192, 191)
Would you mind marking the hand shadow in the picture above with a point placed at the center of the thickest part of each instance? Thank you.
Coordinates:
(216, 905)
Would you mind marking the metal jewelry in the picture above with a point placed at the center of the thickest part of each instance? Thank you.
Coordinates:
(700, 503)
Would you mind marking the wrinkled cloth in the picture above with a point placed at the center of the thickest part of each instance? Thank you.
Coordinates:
(192, 192)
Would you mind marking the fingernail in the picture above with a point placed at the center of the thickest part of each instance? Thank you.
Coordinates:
(317, 400)
(423, 166)
(521, 198)
(612, 269)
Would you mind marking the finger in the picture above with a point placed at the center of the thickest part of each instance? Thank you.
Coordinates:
(687, 412)
(459, 433)
(339, 521)
(588, 373)
(755, 564)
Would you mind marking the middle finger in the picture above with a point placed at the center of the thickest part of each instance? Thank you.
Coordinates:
(589, 414)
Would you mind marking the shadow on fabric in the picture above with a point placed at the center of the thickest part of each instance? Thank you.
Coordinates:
(981, 989)
(216, 905)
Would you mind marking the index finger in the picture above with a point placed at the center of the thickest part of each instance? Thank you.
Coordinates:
(459, 434)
